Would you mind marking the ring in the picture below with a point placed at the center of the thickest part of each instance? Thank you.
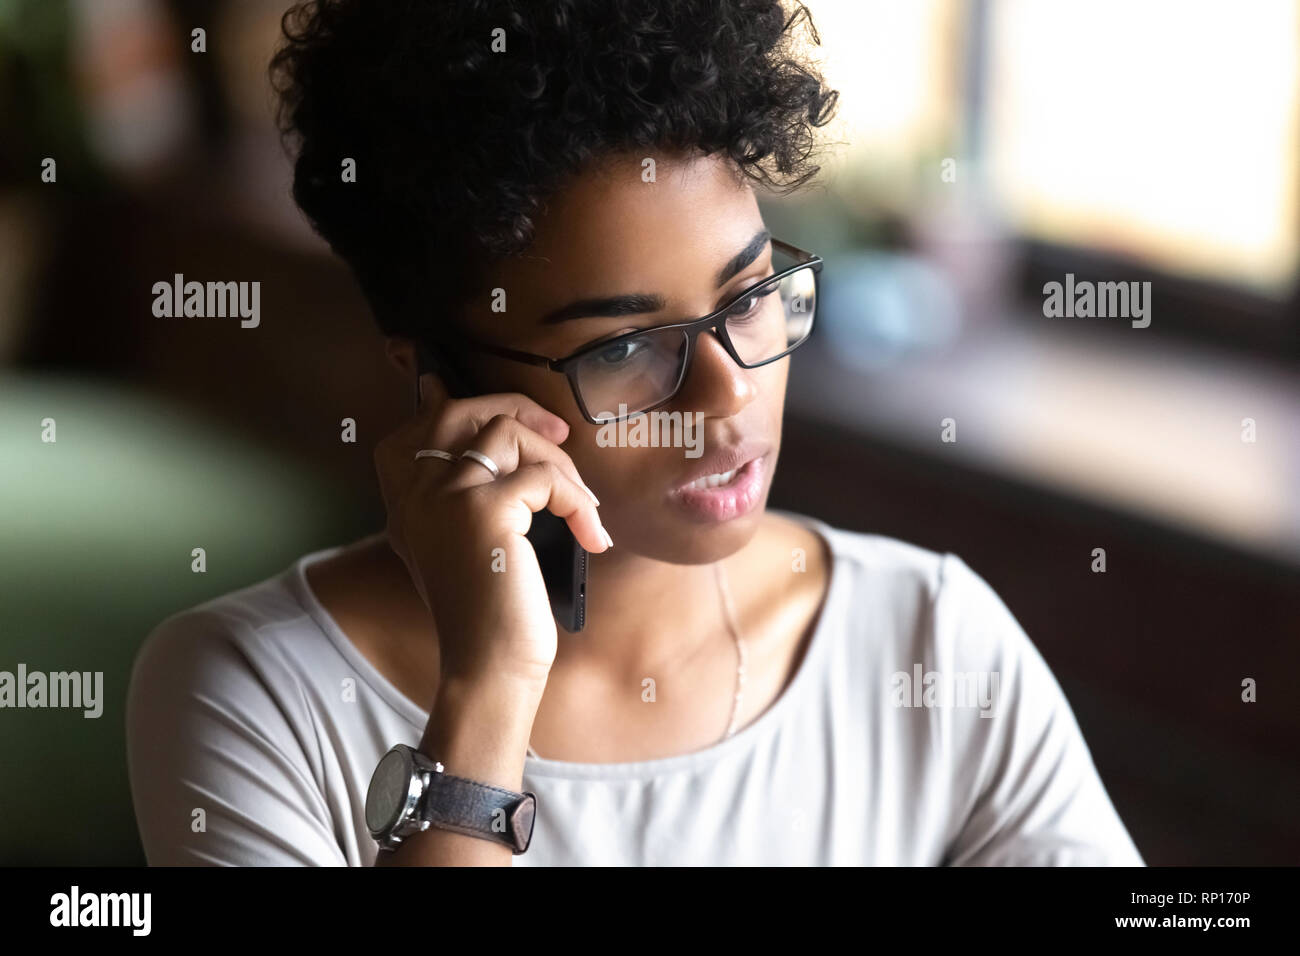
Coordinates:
(435, 453)
(483, 460)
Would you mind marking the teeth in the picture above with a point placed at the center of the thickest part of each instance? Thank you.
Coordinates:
(713, 481)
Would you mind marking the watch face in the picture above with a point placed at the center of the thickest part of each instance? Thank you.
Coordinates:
(388, 791)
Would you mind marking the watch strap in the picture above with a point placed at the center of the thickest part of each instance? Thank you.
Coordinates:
(472, 808)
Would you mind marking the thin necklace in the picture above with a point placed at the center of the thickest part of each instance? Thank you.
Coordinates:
(729, 612)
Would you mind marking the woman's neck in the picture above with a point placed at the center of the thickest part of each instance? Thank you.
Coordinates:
(643, 616)
(647, 617)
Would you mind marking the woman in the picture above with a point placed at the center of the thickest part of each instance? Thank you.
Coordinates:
(564, 180)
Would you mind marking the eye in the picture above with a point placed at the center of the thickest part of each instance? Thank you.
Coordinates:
(750, 303)
(618, 353)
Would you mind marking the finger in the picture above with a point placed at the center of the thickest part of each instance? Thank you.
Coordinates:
(476, 411)
(451, 424)
(511, 444)
(541, 485)
(483, 408)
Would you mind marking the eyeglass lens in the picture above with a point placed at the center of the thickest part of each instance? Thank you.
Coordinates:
(638, 373)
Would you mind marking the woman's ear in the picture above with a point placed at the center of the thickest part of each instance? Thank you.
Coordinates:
(401, 352)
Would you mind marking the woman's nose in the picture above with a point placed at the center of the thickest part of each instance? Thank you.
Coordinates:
(715, 384)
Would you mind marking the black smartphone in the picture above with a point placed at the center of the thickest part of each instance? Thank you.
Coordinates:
(563, 561)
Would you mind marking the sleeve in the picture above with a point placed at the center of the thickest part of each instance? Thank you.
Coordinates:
(1026, 792)
(218, 775)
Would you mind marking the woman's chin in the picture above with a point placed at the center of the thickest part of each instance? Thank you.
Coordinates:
(673, 538)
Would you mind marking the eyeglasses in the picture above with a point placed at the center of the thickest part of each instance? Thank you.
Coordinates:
(639, 371)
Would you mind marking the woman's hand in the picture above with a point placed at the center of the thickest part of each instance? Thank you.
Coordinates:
(447, 520)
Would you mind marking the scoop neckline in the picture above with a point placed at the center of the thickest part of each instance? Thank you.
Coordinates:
(764, 725)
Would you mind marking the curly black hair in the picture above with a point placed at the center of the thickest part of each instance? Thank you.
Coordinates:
(457, 147)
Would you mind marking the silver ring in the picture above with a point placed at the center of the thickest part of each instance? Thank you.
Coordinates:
(483, 460)
(435, 453)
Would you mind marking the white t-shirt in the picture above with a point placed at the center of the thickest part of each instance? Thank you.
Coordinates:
(255, 709)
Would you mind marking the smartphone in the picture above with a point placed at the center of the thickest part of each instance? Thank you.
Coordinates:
(563, 561)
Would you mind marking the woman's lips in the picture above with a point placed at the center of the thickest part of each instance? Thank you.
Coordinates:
(724, 502)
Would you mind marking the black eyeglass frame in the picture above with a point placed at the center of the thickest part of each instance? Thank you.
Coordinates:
(714, 321)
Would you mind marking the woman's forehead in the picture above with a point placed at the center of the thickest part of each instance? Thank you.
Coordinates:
(605, 230)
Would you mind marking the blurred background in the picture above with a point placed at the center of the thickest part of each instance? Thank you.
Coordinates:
(982, 150)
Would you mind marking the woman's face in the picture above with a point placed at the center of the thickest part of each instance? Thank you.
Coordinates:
(612, 234)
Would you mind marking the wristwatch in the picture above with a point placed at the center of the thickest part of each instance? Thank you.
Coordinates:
(409, 793)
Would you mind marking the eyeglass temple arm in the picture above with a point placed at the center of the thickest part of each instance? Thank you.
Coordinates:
(800, 254)
(526, 357)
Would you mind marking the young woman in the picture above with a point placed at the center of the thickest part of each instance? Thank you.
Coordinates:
(575, 181)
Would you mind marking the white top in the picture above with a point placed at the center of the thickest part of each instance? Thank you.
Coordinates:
(255, 709)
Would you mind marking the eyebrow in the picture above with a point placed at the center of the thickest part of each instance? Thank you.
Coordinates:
(642, 302)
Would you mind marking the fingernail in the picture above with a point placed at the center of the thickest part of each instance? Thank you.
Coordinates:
(608, 540)
(590, 494)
